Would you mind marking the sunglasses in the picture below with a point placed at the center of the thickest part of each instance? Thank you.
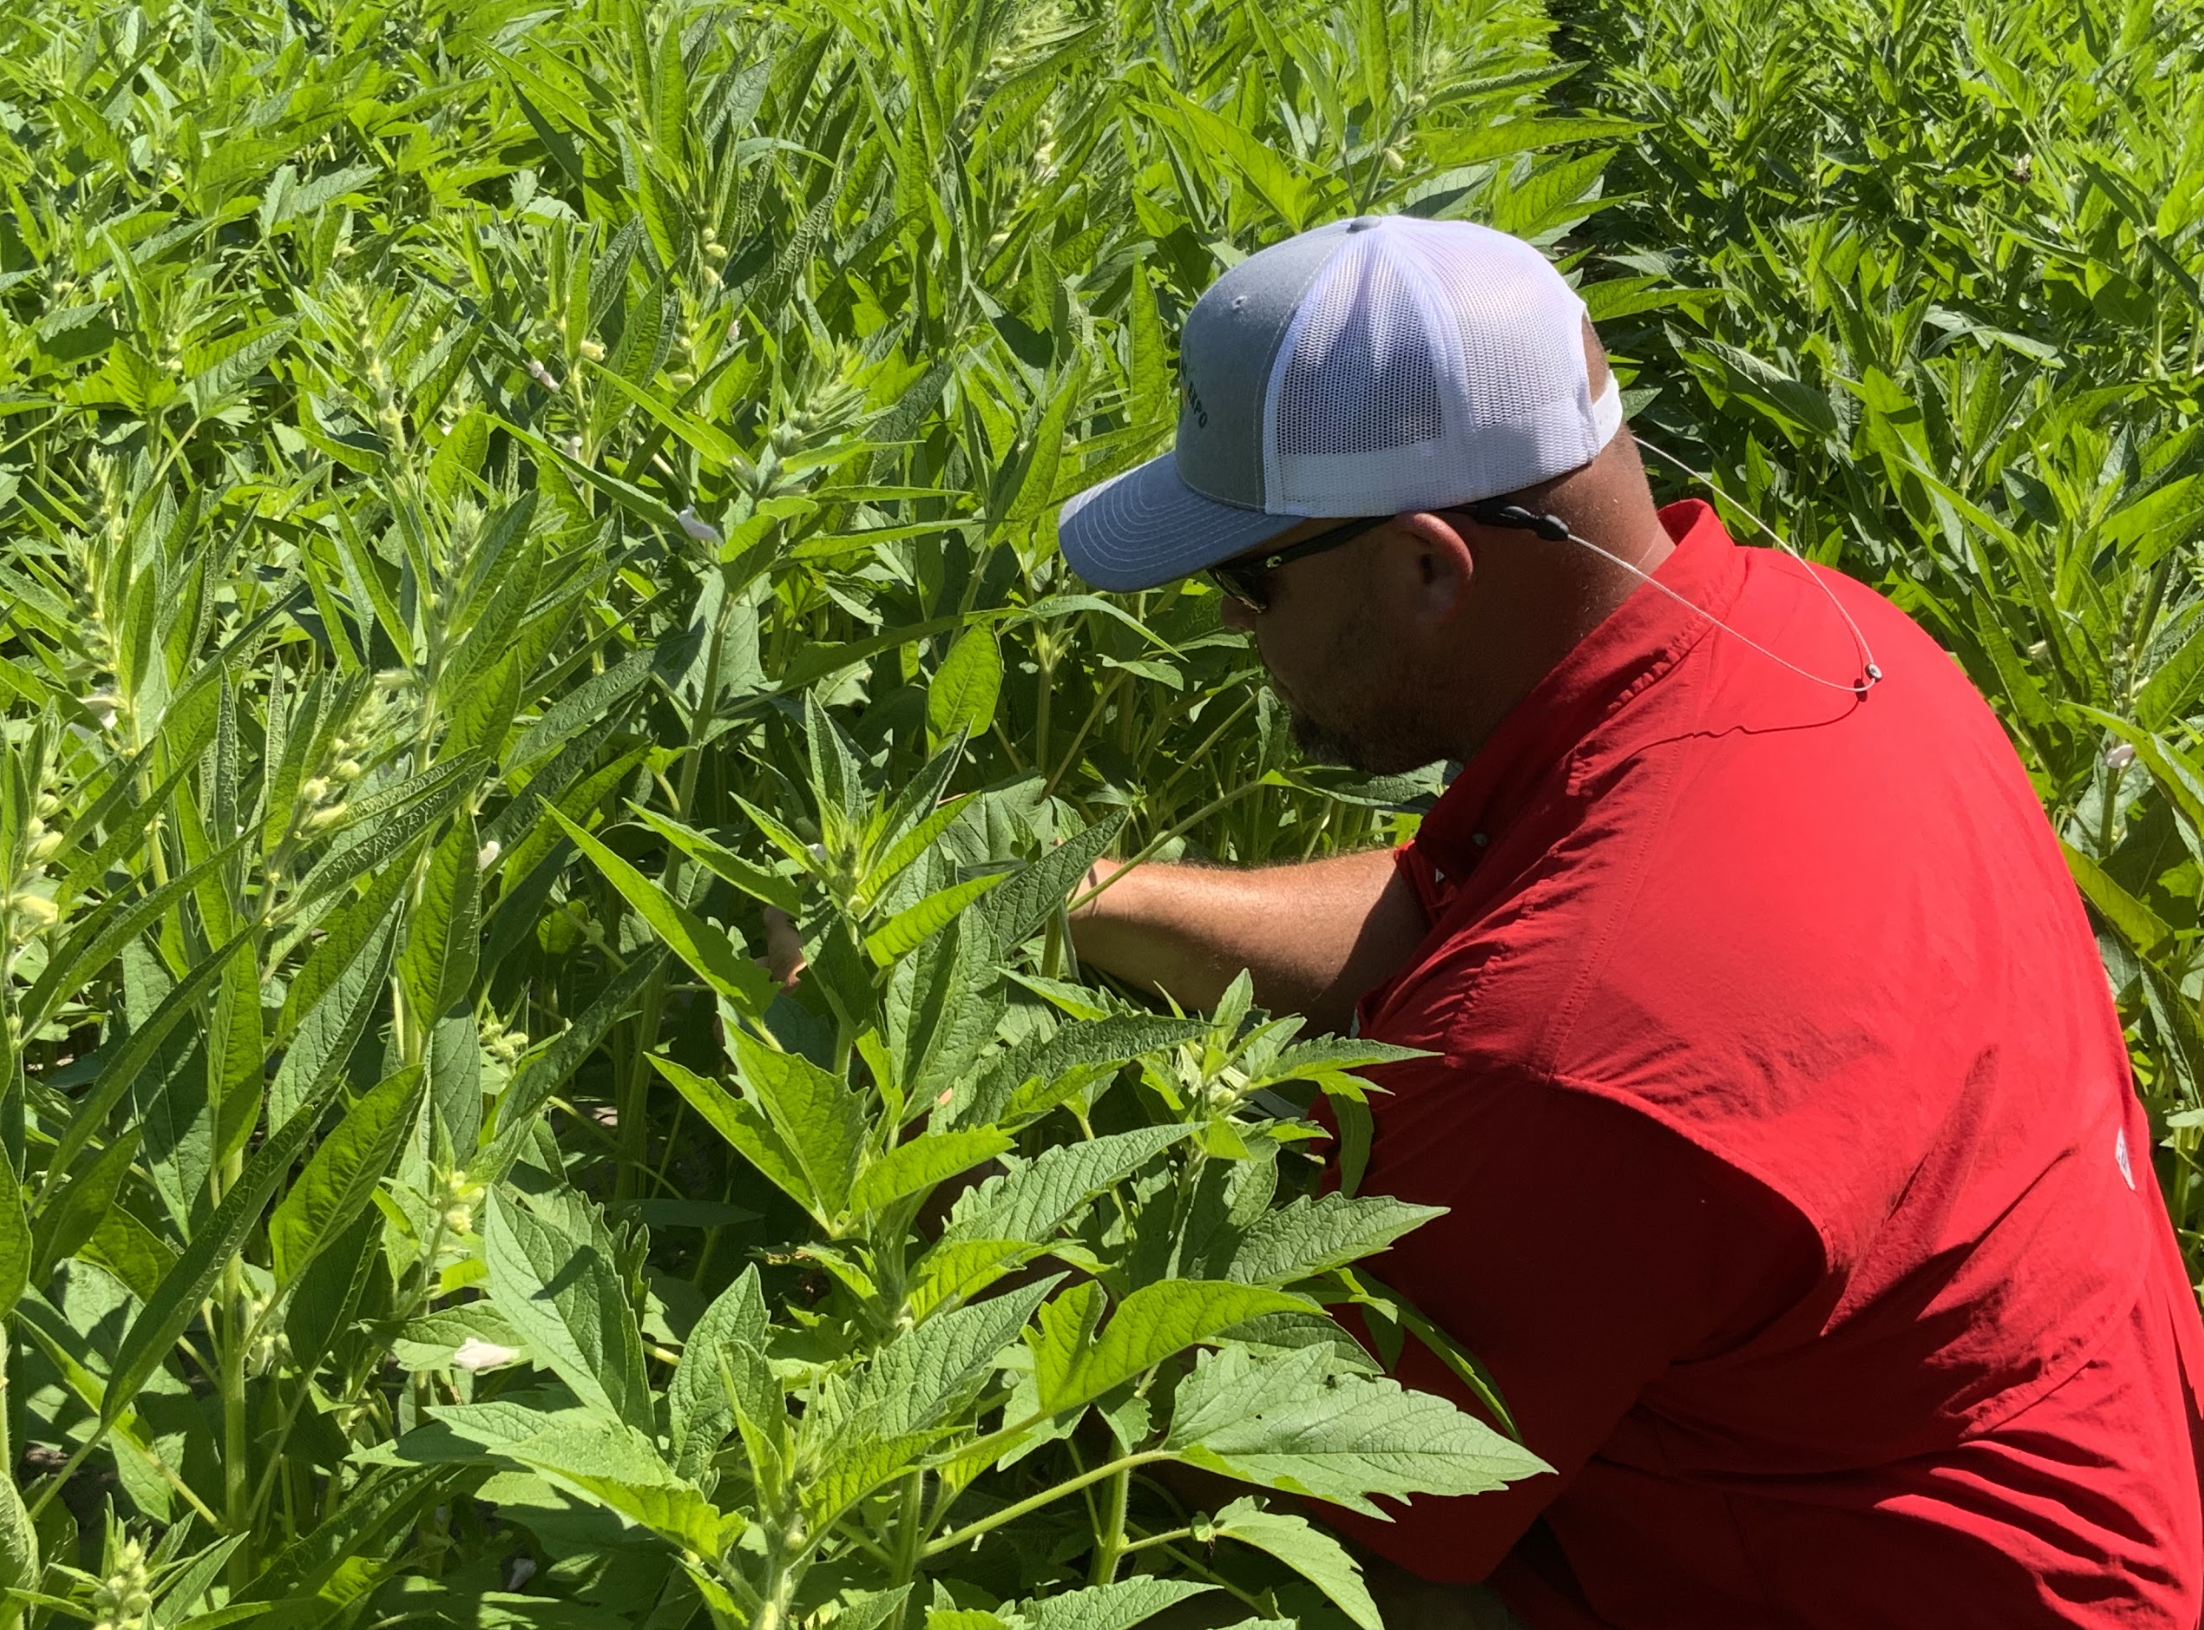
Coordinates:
(1247, 578)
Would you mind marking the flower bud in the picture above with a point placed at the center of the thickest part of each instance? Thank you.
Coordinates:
(486, 856)
(476, 1354)
(2120, 756)
(696, 527)
(35, 909)
(315, 790)
(47, 845)
(542, 375)
(593, 350)
(345, 771)
(324, 818)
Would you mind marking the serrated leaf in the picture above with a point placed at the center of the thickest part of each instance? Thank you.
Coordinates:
(1307, 1550)
(932, 1370)
(1149, 1326)
(1017, 909)
(1287, 1424)
(699, 1413)
(911, 927)
(563, 1293)
(1313, 1236)
(1031, 1202)
(920, 1163)
(1116, 1606)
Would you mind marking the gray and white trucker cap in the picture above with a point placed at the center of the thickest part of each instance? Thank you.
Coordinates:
(1369, 367)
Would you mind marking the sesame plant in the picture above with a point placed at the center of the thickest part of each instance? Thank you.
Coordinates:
(495, 498)
(492, 501)
(1918, 284)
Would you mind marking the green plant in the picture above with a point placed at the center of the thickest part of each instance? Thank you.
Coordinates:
(494, 500)
(1918, 281)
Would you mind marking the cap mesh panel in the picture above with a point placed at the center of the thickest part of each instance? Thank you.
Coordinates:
(1361, 377)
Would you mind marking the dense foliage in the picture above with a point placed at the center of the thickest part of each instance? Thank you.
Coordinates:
(493, 497)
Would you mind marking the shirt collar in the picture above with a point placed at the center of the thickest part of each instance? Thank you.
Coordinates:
(1638, 641)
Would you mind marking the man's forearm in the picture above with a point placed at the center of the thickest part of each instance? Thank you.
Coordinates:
(1315, 936)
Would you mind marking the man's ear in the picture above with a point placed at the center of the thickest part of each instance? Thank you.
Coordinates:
(1434, 548)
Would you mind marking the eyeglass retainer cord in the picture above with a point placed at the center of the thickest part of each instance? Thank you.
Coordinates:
(1499, 513)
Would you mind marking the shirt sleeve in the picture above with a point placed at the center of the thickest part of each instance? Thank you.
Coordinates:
(1586, 1247)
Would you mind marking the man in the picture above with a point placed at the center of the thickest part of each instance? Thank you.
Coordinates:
(1798, 1198)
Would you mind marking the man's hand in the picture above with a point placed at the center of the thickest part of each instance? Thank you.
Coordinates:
(1315, 935)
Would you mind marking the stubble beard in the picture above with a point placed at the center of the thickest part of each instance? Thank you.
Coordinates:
(1380, 731)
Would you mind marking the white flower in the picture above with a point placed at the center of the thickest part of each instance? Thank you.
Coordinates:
(476, 1354)
(701, 530)
(486, 856)
(101, 704)
(2120, 757)
(542, 375)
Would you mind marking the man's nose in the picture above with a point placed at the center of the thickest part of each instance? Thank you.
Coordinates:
(1237, 614)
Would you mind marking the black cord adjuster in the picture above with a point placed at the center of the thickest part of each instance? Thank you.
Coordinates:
(1494, 512)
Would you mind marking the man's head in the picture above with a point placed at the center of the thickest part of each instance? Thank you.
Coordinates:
(1402, 369)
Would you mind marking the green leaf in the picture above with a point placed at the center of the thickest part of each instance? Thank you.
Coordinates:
(74, 1215)
(821, 1120)
(1149, 1326)
(340, 1180)
(723, 863)
(2142, 928)
(1028, 1204)
(910, 928)
(1313, 1236)
(162, 1320)
(1290, 1425)
(932, 1371)
(1033, 894)
(564, 1294)
(1267, 173)
(435, 1340)
(15, 1239)
(1307, 1550)
(383, 1504)
(747, 1130)
(338, 990)
(132, 1057)
(966, 686)
(698, 1411)
(2173, 685)
(918, 1164)
(713, 956)
(443, 931)
(1116, 1606)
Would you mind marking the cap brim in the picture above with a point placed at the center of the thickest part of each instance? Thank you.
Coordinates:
(1146, 527)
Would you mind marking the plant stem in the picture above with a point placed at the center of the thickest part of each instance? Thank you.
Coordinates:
(1109, 1545)
(1165, 1538)
(910, 1528)
(1011, 1513)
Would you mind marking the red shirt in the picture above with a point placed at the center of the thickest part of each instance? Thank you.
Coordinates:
(1800, 1201)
